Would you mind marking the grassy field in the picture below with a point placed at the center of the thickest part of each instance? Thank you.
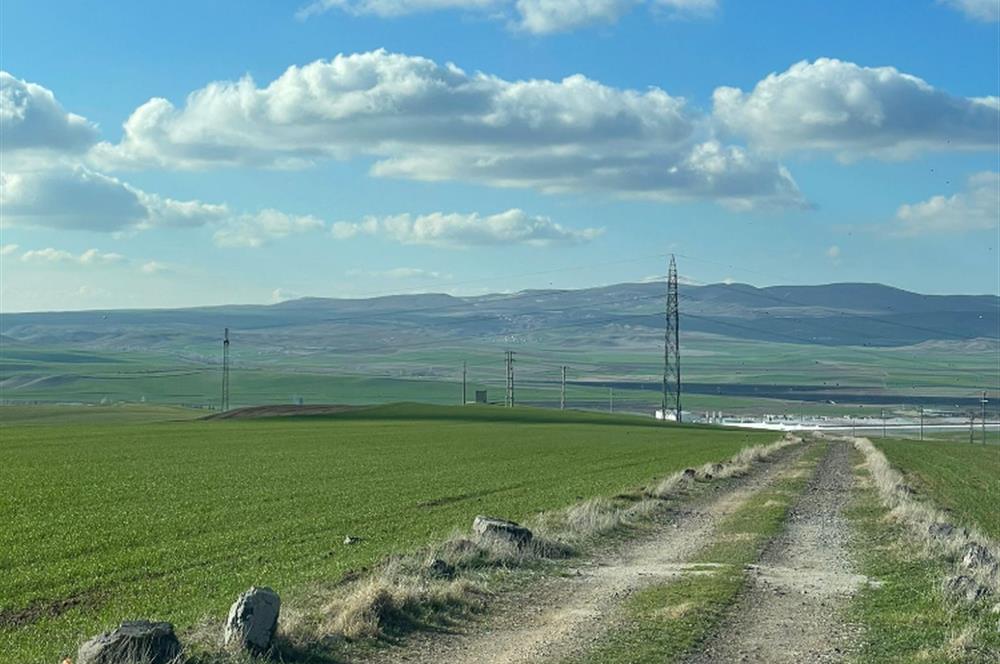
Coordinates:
(170, 520)
(960, 477)
(906, 617)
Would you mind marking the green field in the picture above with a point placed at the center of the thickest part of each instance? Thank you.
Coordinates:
(170, 520)
(960, 477)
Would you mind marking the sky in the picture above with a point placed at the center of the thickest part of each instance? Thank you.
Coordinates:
(197, 153)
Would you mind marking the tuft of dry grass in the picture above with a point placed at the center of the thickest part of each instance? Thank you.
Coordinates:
(933, 528)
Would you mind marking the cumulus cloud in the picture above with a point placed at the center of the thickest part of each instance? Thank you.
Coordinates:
(535, 16)
(8, 249)
(987, 11)
(422, 120)
(256, 230)
(855, 111)
(462, 230)
(975, 208)
(31, 119)
(78, 198)
(91, 257)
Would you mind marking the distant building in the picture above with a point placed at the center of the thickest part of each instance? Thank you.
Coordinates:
(671, 415)
(481, 396)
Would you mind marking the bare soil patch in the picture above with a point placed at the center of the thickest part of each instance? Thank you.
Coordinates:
(285, 410)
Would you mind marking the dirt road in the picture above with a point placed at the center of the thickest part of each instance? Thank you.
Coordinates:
(793, 611)
(559, 618)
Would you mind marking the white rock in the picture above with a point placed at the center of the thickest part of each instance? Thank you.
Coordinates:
(253, 620)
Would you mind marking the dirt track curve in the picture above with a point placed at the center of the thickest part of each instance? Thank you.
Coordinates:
(560, 618)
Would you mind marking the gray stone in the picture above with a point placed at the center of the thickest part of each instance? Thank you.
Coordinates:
(941, 529)
(351, 539)
(488, 526)
(906, 489)
(966, 589)
(253, 620)
(978, 556)
(134, 642)
(689, 473)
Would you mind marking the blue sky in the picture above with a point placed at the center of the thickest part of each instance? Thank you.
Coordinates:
(573, 143)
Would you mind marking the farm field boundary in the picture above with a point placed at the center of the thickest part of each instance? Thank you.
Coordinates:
(938, 598)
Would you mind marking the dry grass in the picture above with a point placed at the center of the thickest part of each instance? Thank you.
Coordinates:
(927, 522)
(451, 579)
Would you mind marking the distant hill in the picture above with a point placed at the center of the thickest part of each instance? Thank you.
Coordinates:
(832, 314)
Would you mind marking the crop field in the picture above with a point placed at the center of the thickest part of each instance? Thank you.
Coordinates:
(961, 477)
(170, 520)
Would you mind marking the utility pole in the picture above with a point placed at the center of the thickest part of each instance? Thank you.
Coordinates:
(562, 391)
(611, 399)
(671, 347)
(972, 421)
(921, 423)
(225, 371)
(509, 360)
(883, 422)
(984, 417)
(464, 371)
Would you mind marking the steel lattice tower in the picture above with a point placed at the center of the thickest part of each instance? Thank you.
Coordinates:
(509, 362)
(672, 348)
(225, 371)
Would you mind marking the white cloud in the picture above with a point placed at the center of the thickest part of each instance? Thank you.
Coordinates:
(389, 8)
(855, 111)
(976, 208)
(535, 16)
(31, 119)
(8, 249)
(833, 253)
(987, 11)
(462, 230)
(81, 199)
(256, 230)
(421, 120)
(546, 16)
(407, 273)
(91, 257)
(153, 267)
(283, 295)
(77, 198)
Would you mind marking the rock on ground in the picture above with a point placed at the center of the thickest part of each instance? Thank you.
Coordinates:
(501, 529)
(134, 642)
(253, 620)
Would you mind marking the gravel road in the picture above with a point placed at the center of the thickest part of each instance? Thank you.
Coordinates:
(793, 610)
(561, 617)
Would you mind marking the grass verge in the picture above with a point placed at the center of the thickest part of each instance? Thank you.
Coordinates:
(907, 618)
(665, 621)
